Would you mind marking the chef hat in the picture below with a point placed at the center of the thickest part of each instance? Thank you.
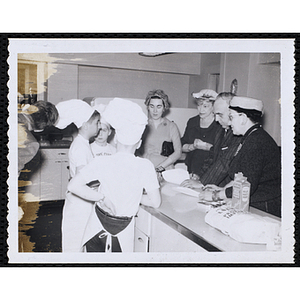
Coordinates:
(127, 118)
(246, 103)
(101, 108)
(206, 95)
(73, 111)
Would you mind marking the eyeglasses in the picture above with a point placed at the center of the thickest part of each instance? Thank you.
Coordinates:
(232, 115)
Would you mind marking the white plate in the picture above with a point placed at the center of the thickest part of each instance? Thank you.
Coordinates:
(176, 176)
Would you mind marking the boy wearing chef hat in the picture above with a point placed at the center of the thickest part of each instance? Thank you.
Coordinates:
(76, 212)
(123, 178)
(86, 120)
(100, 146)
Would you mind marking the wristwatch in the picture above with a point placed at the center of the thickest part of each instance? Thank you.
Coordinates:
(160, 169)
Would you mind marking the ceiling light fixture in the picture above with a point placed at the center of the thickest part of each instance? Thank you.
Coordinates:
(153, 54)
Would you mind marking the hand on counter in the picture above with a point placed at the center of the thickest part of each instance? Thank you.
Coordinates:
(192, 183)
(212, 192)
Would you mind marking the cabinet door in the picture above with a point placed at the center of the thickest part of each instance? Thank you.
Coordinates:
(141, 241)
(51, 180)
(65, 175)
(166, 239)
(30, 179)
(54, 174)
(143, 221)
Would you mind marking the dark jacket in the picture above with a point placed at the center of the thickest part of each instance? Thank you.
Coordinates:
(215, 168)
(259, 160)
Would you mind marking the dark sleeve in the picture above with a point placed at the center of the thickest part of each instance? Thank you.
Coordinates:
(207, 163)
(228, 192)
(185, 138)
(213, 152)
(251, 163)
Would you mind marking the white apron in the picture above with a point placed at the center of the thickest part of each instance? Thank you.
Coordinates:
(76, 213)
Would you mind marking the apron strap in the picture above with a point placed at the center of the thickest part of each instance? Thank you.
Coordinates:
(103, 241)
(106, 240)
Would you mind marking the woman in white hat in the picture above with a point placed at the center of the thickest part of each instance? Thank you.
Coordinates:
(76, 211)
(200, 131)
(257, 157)
(160, 132)
(123, 177)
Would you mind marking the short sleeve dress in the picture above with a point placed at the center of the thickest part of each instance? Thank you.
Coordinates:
(153, 139)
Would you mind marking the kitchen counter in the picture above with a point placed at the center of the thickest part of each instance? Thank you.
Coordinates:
(56, 145)
(184, 214)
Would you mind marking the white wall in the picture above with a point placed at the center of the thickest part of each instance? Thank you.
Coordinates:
(104, 82)
(257, 79)
(179, 63)
(264, 84)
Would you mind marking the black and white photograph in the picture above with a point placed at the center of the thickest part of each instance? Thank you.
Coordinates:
(151, 151)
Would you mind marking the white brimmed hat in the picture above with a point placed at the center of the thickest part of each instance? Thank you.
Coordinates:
(73, 111)
(206, 94)
(127, 118)
(246, 103)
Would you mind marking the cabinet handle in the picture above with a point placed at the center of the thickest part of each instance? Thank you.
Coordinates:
(62, 153)
(140, 239)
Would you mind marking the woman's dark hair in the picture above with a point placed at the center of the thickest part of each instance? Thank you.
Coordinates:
(46, 115)
(253, 114)
(158, 94)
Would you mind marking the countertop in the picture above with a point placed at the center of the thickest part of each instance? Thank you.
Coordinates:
(55, 145)
(184, 214)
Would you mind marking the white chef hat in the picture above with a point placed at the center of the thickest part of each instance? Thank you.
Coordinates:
(101, 108)
(73, 111)
(127, 118)
(246, 103)
(206, 94)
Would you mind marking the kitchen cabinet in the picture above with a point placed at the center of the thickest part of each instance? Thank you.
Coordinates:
(166, 239)
(142, 231)
(153, 235)
(30, 179)
(54, 174)
(50, 180)
(141, 241)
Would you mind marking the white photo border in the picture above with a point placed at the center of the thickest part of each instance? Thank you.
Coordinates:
(45, 45)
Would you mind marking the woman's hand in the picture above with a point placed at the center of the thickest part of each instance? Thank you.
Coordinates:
(192, 183)
(199, 144)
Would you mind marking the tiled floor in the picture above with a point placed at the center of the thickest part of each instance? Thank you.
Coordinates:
(40, 227)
